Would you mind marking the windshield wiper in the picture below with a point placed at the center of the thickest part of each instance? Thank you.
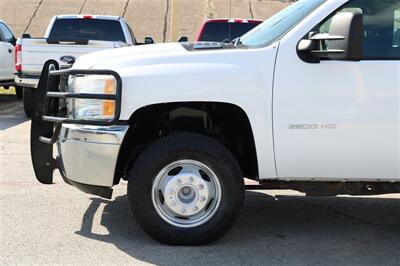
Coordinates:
(236, 42)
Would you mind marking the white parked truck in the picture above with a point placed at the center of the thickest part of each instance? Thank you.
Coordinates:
(308, 100)
(66, 39)
(7, 43)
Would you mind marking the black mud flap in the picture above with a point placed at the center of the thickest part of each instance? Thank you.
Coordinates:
(43, 161)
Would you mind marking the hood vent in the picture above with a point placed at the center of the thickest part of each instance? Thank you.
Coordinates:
(207, 45)
(198, 46)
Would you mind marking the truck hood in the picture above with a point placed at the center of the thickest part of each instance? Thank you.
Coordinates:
(122, 56)
(127, 57)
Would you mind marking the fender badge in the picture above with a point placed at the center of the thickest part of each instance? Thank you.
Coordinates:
(312, 126)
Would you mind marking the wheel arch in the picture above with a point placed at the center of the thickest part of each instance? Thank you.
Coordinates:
(226, 122)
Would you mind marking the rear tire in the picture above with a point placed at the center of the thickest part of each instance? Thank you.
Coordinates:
(19, 92)
(197, 163)
(28, 96)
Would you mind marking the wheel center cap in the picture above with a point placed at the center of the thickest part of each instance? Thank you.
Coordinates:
(186, 194)
(185, 191)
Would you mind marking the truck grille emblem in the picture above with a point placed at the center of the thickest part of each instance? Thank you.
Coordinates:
(67, 59)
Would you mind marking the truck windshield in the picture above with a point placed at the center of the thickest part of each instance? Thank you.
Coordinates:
(87, 29)
(225, 31)
(276, 26)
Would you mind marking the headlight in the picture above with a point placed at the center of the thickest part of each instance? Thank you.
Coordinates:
(92, 109)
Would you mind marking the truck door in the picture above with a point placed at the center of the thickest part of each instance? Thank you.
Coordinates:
(337, 120)
(6, 53)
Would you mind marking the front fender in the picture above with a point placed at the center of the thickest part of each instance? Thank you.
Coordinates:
(243, 78)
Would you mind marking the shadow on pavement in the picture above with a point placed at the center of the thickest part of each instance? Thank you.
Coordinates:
(11, 111)
(271, 230)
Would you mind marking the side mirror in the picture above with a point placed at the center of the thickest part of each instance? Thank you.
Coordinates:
(343, 42)
(350, 26)
(183, 39)
(148, 40)
(13, 41)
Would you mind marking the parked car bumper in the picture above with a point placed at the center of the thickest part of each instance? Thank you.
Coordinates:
(88, 154)
(7, 83)
(30, 81)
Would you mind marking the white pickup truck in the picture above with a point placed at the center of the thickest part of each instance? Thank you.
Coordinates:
(7, 43)
(309, 100)
(66, 39)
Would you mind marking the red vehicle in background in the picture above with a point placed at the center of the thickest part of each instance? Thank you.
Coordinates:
(225, 30)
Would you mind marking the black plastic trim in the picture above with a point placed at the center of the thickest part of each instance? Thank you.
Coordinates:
(72, 41)
(55, 94)
(104, 192)
(7, 83)
(25, 76)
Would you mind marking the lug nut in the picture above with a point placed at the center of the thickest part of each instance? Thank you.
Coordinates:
(183, 210)
(195, 208)
(191, 179)
(201, 187)
(202, 198)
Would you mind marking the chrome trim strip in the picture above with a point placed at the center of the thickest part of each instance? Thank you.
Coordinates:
(94, 134)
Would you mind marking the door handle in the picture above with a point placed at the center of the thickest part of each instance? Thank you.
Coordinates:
(9, 50)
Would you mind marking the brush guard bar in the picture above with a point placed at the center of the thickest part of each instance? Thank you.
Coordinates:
(50, 112)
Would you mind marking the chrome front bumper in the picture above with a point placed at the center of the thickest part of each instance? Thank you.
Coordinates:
(88, 154)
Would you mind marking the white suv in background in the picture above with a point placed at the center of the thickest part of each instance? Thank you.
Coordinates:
(7, 43)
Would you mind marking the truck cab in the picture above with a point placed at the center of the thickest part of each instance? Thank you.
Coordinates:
(308, 100)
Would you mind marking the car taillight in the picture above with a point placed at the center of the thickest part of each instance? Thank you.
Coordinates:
(87, 17)
(18, 57)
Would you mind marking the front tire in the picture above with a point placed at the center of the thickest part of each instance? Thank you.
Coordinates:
(186, 189)
(28, 96)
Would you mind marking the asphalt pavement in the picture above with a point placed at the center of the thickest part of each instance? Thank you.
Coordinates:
(57, 224)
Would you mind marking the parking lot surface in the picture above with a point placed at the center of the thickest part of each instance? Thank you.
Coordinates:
(57, 224)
